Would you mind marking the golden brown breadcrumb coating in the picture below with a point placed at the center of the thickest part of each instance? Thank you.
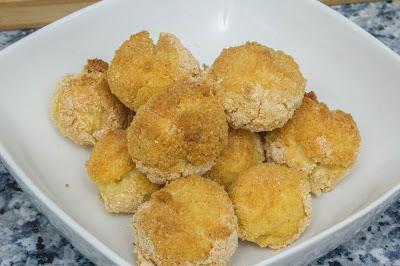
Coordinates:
(178, 132)
(121, 186)
(141, 68)
(110, 159)
(83, 108)
(322, 143)
(272, 203)
(95, 65)
(244, 150)
(189, 222)
(126, 195)
(259, 87)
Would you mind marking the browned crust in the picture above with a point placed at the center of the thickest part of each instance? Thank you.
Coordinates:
(121, 186)
(126, 195)
(322, 143)
(189, 222)
(95, 65)
(259, 87)
(109, 159)
(179, 132)
(272, 203)
(141, 68)
(83, 108)
(244, 150)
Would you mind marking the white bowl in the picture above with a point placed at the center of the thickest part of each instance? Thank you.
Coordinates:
(346, 67)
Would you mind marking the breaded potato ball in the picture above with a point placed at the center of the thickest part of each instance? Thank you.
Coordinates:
(322, 143)
(259, 87)
(126, 195)
(83, 108)
(179, 132)
(141, 68)
(95, 65)
(189, 222)
(121, 186)
(272, 203)
(244, 150)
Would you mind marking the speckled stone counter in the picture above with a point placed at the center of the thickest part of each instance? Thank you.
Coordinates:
(27, 237)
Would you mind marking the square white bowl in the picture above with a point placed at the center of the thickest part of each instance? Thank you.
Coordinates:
(344, 65)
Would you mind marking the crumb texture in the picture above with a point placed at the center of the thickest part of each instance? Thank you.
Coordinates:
(141, 68)
(322, 143)
(272, 203)
(121, 186)
(259, 87)
(83, 108)
(189, 222)
(109, 159)
(244, 150)
(126, 195)
(179, 132)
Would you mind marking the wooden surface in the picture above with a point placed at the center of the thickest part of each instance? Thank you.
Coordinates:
(20, 14)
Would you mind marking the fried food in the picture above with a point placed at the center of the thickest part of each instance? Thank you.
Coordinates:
(272, 203)
(244, 150)
(189, 222)
(83, 108)
(126, 195)
(322, 143)
(95, 65)
(259, 87)
(121, 186)
(141, 68)
(179, 132)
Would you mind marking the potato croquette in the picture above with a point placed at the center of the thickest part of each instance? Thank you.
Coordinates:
(259, 87)
(244, 150)
(322, 143)
(272, 203)
(179, 132)
(189, 222)
(141, 68)
(121, 186)
(125, 195)
(83, 108)
(95, 65)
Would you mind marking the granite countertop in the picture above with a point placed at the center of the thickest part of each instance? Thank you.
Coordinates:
(27, 237)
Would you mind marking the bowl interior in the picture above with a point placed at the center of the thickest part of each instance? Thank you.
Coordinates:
(343, 65)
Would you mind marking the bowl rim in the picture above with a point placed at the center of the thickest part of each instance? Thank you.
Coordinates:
(36, 192)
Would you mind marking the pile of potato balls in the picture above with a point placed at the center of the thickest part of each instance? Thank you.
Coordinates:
(202, 156)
